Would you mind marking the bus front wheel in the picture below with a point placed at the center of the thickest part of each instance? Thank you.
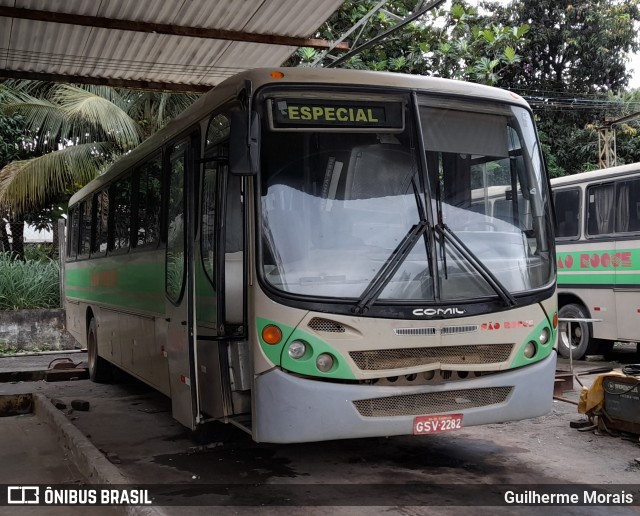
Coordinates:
(578, 342)
(99, 368)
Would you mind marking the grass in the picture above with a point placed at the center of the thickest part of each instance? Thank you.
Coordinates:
(33, 283)
(10, 350)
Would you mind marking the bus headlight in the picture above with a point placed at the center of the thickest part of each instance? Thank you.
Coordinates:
(297, 349)
(530, 349)
(544, 336)
(324, 362)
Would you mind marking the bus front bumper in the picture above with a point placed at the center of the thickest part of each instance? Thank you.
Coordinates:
(290, 409)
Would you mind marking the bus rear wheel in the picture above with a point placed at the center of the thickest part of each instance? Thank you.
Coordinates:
(579, 341)
(99, 368)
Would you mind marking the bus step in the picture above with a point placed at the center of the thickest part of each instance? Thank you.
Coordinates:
(243, 422)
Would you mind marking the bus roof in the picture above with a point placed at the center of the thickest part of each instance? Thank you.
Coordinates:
(231, 87)
(596, 175)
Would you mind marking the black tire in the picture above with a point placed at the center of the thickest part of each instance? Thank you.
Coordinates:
(581, 341)
(100, 370)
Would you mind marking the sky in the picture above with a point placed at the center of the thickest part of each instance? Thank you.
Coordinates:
(635, 64)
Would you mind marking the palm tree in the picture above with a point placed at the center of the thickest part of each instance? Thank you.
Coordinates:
(74, 133)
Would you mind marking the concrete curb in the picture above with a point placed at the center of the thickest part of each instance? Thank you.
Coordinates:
(87, 458)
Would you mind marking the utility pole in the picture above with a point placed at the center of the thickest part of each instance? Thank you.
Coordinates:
(607, 139)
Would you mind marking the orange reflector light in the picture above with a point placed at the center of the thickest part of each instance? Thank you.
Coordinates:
(277, 75)
(271, 334)
(555, 320)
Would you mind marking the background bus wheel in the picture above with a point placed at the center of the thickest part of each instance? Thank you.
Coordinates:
(99, 368)
(580, 332)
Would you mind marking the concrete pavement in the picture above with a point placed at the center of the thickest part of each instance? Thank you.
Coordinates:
(131, 424)
(44, 447)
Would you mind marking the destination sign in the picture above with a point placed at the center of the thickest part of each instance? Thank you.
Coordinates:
(330, 114)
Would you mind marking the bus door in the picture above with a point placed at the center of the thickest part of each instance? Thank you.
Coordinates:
(222, 351)
(179, 286)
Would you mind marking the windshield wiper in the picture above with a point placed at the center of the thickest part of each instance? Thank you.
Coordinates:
(448, 235)
(390, 267)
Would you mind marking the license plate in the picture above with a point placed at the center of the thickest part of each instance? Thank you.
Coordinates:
(437, 424)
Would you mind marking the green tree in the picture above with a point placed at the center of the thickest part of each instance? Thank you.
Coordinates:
(627, 134)
(13, 146)
(453, 42)
(76, 131)
(573, 50)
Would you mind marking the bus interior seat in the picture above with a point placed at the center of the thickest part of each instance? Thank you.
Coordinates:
(379, 170)
(569, 224)
(503, 210)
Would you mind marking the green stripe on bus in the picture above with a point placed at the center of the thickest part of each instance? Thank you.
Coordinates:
(306, 365)
(586, 279)
(599, 267)
(598, 260)
(137, 286)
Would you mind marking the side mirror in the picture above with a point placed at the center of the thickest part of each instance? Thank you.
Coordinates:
(244, 144)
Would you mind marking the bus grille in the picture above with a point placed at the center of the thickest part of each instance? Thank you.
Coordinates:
(382, 359)
(319, 324)
(412, 332)
(432, 403)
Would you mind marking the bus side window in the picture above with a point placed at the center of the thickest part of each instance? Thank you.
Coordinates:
(121, 207)
(101, 201)
(175, 259)
(600, 209)
(216, 147)
(567, 203)
(628, 206)
(208, 219)
(74, 223)
(86, 209)
(149, 201)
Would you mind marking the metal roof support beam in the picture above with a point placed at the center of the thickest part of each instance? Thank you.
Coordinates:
(607, 150)
(606, 147)
(105, 81)
(379, 37)
(360, 22)
(164, 28)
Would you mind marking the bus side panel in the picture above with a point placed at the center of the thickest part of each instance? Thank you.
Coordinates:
(600, 304)
(109, 335)
(627, 289)
(582, 274)
(125, 294)
(627, 308)
(74, 322)
(135, 343)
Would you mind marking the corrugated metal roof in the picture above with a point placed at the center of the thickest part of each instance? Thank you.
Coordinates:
(45, 47)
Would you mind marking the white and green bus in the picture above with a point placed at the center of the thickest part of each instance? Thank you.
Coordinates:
(598, 230)
(300, 254)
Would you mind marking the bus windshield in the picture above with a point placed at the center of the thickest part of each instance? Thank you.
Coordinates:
(344, 189)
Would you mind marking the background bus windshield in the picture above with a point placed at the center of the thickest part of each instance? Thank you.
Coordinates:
(337, 200)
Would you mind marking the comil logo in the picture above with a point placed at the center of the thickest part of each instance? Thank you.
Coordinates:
(431, 312)
(23, 495)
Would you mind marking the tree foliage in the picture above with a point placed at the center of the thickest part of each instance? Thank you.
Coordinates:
(74, 132)
(453, 42)
(574, 50)
(577, 47)
(547, 50)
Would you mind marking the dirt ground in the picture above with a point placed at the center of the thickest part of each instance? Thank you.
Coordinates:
(451, 473)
